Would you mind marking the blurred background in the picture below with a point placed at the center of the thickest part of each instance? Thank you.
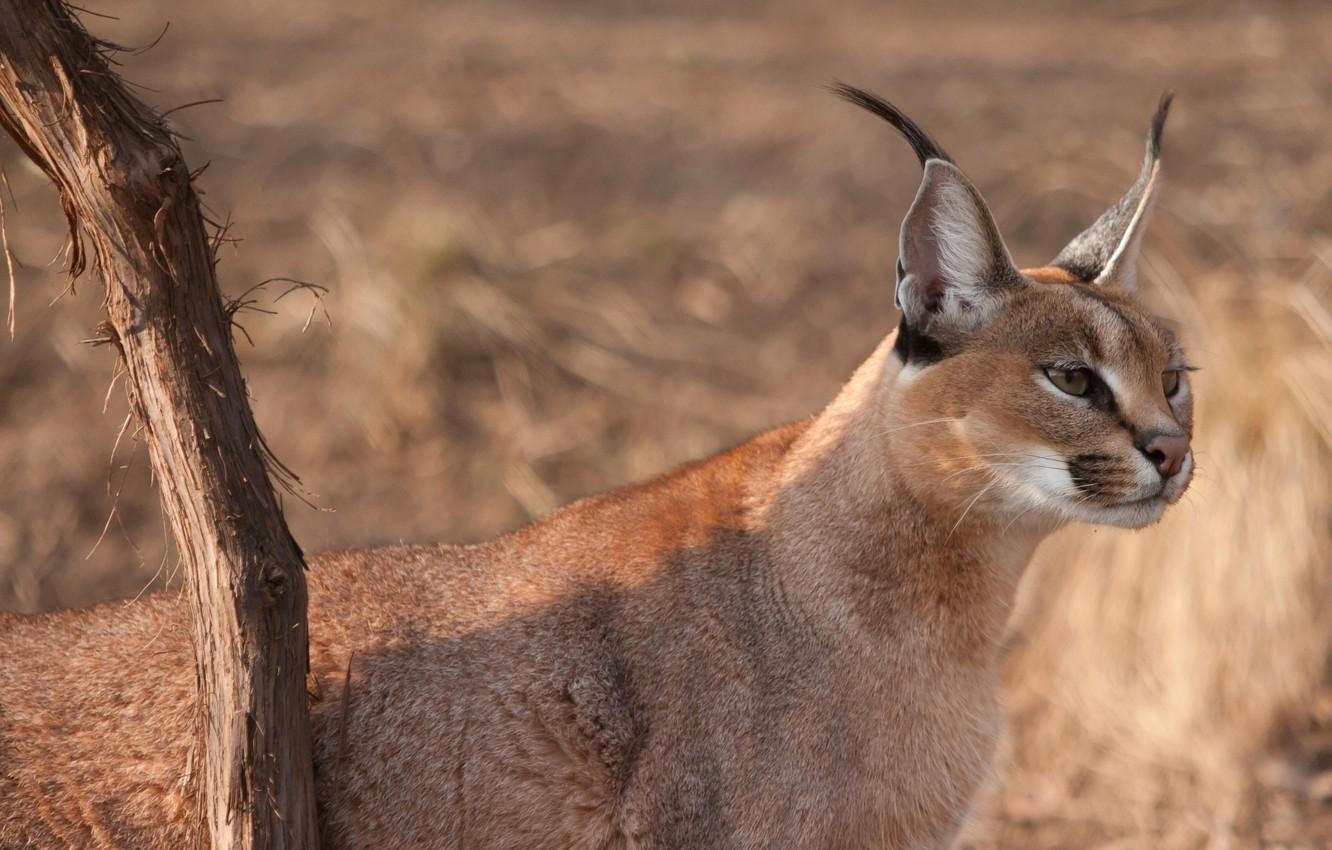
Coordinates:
(570, 244)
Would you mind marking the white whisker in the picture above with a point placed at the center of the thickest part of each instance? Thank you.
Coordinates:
(984, 466)
(921, 424)
(968, 508)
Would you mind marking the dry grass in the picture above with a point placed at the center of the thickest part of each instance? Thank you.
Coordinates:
(570, 245)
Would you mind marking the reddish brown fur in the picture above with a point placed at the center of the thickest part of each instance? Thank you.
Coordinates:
(494, 685)
(793, 638)
(1051, 274)
(792, 643)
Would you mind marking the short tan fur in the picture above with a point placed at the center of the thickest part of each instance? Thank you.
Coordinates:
(790, 644)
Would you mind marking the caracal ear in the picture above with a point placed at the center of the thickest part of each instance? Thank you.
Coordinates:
(1107, 252)
(954, 268)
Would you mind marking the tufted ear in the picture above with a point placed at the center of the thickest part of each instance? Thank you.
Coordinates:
(953, 265)
(1107, 252)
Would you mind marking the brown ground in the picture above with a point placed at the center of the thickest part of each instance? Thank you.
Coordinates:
(572, 244)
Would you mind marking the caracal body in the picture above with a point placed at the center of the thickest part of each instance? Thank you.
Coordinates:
(791, 644)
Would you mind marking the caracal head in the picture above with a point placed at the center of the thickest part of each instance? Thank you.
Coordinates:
(1033, 396)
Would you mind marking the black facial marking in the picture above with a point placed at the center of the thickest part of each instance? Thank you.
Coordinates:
(913, 347)
(1095, 474)
(1102, 398)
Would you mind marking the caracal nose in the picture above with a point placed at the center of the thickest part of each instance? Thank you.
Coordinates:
(1165, 451)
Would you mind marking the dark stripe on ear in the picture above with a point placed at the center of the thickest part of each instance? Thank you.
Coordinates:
(912, 347)
(926, 148)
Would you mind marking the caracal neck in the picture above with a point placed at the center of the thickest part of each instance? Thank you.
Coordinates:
(852, 541)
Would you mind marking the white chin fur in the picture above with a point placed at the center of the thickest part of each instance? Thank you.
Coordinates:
(1137, 514)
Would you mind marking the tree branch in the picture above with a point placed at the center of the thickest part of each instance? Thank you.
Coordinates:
(130, 206)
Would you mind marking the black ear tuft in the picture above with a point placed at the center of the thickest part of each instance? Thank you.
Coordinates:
(925, 147)
(1158, 125)
(1107, 251)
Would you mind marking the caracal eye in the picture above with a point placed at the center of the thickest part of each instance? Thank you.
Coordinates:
(1170, 382)
(1072, 381)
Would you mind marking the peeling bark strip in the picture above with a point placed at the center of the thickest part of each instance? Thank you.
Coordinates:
(126, 192)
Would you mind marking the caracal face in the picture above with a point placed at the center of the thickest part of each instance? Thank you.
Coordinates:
(1074, 402)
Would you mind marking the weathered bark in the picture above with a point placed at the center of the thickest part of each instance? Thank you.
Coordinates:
(127, 194)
